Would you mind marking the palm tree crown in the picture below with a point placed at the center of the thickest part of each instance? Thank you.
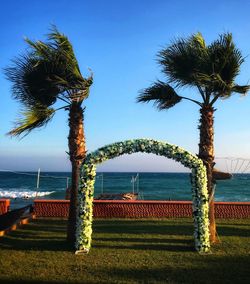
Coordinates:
(211, 69)
(47, 73)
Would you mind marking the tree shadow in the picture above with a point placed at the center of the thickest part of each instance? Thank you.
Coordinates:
(145, 243)
(142, 226)
(162, 227)
(233, 231)
(231, 269)
(140, 240)
(204, 270)
(50, 235)
(39, 244)
(38, 235)
(148, 246)
(20, 281)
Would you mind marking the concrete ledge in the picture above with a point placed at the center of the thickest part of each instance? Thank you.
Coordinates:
(19, 223)
(141, 209)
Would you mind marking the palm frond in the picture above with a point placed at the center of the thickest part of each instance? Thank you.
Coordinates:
(212, 68)
(58, 52)
(240, 89)
(34, 117)
(198, 41)
(39, 49)
(63, 45)
(225, 58)
(183, 58)
(162, 95)
(59, 40)
(31, 81)
(48, 70)
(213, 81)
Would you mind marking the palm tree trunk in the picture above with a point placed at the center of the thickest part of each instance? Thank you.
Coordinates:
(76, 141)
(206, 153)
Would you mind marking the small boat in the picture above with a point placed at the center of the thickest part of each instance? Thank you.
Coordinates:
(117, 196)
(218, 175)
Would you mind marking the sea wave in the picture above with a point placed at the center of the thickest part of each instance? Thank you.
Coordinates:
(24, 194)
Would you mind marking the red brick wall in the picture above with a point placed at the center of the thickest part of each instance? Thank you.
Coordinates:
(141, 209)
(51, 208)
(4, 206)
(232, 209)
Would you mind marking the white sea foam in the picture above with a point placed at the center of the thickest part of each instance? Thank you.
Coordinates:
(23, 194)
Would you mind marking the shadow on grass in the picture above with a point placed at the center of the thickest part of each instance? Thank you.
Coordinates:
(142, 227)
(39, 244)
(167, 244)
(232, 269)
(162, 227)
(47, 235)
(50, 235)
(11, 281)
(149, 246)
(47, 225)
(33, 235)
(144, 239)
(202, 269)
(233, 231)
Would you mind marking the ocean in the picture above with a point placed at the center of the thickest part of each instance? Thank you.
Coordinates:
(21, 187)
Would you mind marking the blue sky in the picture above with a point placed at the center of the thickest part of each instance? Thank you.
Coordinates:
(119, 41)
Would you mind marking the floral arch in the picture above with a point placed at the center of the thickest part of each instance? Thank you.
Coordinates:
(87, 181)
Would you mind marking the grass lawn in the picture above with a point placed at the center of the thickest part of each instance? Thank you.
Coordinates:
(125, 251)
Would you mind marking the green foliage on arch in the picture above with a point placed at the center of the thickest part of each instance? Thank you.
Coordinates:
(198, 180)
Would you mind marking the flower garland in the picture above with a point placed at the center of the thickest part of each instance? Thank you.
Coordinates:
(198, 181)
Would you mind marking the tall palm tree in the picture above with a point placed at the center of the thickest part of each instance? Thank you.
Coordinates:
(48, 73)
(211, 70)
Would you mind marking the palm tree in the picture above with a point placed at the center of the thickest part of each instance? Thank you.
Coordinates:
(46, 74)
(209, 69)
